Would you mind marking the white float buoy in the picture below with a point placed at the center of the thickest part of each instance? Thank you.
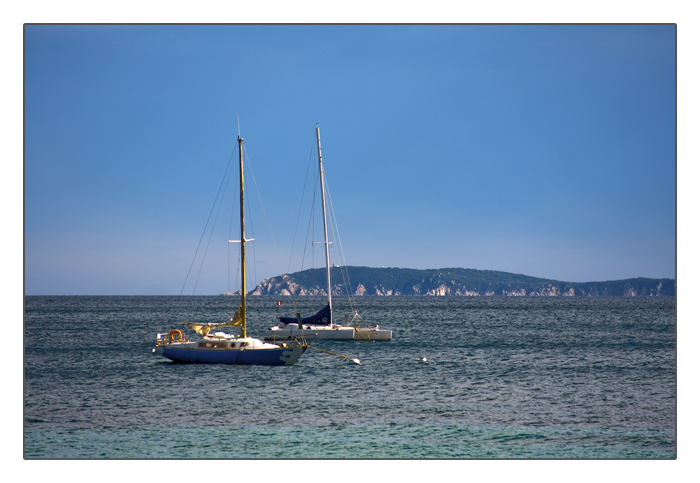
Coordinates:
(356, 361)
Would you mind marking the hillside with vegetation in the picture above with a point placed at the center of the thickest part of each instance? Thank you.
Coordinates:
(366, 281)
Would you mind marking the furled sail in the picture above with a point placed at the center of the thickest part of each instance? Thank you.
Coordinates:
(204, 328)
(323, 317)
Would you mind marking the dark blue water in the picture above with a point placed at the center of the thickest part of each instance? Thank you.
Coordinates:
(504, 378)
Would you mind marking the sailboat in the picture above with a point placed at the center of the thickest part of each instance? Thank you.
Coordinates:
(321, 326)
(217, 347)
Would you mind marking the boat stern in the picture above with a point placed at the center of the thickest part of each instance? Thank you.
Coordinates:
(375, 333)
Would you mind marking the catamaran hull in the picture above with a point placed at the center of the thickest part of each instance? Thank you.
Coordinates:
(262, 357)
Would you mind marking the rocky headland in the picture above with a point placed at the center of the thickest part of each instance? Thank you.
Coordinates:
(366, 281)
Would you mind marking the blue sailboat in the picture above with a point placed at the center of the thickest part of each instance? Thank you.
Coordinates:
(217, 347)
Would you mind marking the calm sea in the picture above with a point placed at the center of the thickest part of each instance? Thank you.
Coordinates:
(504, 378)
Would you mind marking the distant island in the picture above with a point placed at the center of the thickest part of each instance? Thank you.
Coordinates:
(366, 281)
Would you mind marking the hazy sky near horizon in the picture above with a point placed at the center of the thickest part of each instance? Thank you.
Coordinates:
(547, 150)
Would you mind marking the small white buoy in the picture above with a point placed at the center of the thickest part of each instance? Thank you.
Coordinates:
(422, 359)
(356, 361)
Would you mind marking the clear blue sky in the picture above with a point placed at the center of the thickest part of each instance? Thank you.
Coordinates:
(543, 150)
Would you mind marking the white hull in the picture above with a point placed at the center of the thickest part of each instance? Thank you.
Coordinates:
(366, 333)
(335, 332)
(292, 331)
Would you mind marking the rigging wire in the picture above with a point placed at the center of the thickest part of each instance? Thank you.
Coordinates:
(341, 254)
(249, 217)
(310, 229)
(264, 211)
(228, 250)
(301, 205)
(211, 233)
(211, 211)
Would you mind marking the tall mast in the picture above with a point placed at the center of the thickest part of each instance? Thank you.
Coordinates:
(240, 167)
(325, 226)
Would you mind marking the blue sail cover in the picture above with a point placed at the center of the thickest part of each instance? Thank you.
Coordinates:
(323, 317)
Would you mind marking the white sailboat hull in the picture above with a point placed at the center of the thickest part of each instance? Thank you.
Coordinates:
(292, 331)
(335, 332)
(367, 333)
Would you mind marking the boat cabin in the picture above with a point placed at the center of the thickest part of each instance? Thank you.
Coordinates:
(210, 343)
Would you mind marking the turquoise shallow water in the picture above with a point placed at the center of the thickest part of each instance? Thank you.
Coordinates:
(504, 378)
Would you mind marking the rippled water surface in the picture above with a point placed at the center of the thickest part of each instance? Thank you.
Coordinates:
(504, 378)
